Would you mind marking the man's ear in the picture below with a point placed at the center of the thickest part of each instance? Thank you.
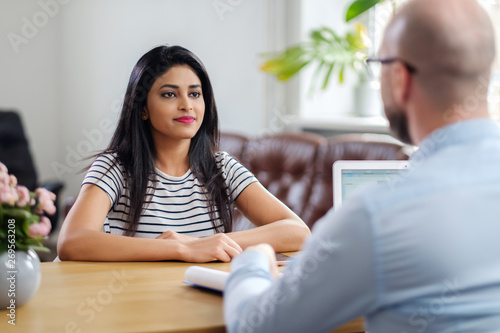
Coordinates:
(401, 84)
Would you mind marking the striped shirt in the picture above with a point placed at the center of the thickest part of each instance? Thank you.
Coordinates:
(177, 203)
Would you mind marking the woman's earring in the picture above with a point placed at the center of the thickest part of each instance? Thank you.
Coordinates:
(144, 116)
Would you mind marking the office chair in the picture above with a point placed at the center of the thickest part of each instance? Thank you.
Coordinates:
(15, 154)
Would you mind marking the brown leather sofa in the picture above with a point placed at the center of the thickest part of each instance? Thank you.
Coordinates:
(297, 167)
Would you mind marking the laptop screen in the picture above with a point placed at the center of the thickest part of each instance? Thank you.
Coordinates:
(353, 180)
(350, 176)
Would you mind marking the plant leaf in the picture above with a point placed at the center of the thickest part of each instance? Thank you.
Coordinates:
(275, 65)
(328, 74)
(326, 49)
(358, 7)
(317, 36)
(314, 79)
(341, 74)
(358, 40)
(327, 30)
(291, 70)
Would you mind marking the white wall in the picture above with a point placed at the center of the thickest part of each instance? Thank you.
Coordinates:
(69, 79)
(30, 76)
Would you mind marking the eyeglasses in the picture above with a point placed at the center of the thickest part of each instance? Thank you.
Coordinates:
(374, 67)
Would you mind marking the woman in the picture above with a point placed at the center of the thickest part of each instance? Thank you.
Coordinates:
(162, 181)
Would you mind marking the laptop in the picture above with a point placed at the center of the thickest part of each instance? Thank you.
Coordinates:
(351, 176)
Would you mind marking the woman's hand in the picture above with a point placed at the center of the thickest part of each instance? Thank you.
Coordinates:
(176, 236)
(212, 248)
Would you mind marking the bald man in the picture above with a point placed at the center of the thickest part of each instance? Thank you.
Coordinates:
(420, 253)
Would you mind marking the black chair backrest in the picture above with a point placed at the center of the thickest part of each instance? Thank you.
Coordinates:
(14, 149)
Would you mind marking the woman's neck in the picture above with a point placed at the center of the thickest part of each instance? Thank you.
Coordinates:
(172, 157)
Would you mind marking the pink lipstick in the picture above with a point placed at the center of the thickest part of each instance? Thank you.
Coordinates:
(185, 119)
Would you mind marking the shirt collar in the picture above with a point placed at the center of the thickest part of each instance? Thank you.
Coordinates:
(457, 133)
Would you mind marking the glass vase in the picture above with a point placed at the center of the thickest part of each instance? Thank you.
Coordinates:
(20, 278)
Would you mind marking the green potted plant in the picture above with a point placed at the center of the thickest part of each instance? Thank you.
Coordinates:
(333, 53)
(330, 51)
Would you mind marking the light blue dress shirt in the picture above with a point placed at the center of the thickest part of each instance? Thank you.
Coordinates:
(418, 254)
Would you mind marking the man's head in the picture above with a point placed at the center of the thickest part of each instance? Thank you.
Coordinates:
(444, 51)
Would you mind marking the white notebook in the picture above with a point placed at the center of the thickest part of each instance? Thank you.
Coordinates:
(214, 279)
(206, 278)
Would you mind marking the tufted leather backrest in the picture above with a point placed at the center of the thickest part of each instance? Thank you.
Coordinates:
(297, 167)
(284, 164)
(233, 144)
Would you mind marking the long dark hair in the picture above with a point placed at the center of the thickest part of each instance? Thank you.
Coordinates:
(133, 144)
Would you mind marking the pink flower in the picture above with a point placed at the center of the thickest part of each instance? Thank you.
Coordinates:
(3, 168)
(24, 196)
(4, 178)
(45, 201)
(41, 228)
(8, 195)
(12, 181)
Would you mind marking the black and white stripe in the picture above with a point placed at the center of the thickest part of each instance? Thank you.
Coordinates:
(177, 203)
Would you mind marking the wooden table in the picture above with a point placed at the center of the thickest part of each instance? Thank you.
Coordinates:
(77, 297)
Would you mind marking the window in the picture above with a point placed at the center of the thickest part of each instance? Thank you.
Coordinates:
(332, 110)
